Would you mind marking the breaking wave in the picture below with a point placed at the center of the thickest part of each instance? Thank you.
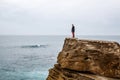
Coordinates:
(34, 46)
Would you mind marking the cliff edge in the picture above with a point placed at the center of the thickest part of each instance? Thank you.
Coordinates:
(87, 60)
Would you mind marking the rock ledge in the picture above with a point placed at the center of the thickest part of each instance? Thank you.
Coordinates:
(87, 60)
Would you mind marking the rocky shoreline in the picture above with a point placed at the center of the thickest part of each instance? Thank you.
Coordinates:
(87, 60)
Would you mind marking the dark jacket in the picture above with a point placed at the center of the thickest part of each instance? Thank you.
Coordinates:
(73, 28)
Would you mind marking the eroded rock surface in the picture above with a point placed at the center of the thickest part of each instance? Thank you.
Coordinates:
(58, 73)
(97, 57)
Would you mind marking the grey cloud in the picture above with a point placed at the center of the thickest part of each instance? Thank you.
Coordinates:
(44, 17)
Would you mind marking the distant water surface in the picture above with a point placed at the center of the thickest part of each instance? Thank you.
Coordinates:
(30, 57)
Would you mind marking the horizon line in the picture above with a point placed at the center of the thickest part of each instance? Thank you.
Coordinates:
(52, 35)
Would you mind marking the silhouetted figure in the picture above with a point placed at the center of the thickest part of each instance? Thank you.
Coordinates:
(73, 31)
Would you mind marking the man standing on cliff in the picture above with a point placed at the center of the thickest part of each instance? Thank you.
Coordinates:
(73, 31)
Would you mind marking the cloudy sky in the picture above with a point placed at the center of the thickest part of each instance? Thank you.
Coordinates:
(54, 17)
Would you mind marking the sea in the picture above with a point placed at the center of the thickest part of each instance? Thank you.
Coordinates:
(31, 57)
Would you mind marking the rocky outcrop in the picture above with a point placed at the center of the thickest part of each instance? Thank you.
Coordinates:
(87, 60)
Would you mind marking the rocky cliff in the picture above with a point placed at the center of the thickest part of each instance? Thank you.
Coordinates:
(87, 60)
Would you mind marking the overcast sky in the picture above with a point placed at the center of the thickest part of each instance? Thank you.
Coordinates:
(54, 17)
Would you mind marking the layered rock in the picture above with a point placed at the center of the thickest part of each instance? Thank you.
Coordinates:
(58, 73)
(80, 57)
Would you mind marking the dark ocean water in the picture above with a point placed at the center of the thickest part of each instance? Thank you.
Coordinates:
(30, 57)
